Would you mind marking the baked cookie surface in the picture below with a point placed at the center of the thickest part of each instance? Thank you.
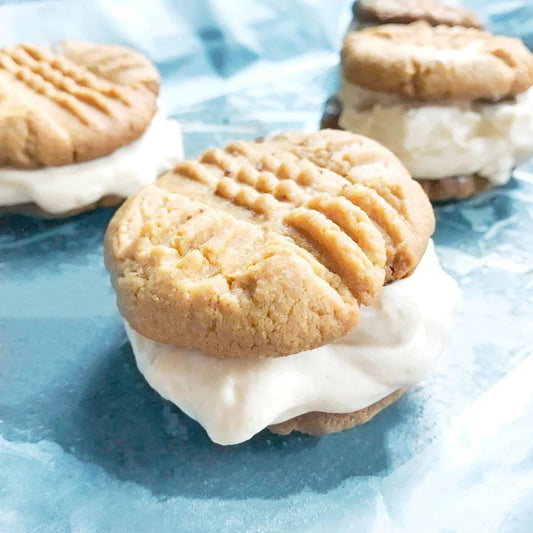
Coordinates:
(455, 187)
(266, 248)
(406, 11)
(437, 63)
(75, 104)
(318, 423)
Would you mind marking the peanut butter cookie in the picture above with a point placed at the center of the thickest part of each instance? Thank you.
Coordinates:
(77, 103)
(266, 248)
(444, 63)
(406, 11)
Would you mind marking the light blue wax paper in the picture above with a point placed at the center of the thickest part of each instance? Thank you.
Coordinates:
(87, 446)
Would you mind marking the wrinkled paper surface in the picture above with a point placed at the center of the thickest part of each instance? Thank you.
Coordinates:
(86, 445)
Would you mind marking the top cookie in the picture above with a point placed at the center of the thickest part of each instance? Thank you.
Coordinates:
(266, 248)
(406, 11)
(437, 63)
(78, 103)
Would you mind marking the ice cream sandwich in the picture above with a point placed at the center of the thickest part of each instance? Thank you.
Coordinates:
(288, 283)
(454, 104)
(79, 127)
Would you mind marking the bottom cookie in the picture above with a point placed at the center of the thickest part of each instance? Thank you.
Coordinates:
(440, 190)
(317, 423)
(34, 210)
(455, 188)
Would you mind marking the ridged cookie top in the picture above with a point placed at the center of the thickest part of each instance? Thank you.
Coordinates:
(406, 11)
(76, 105)
(266, 248)
(437, 63)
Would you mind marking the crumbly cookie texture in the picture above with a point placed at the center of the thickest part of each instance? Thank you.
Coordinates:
(79, 103)
(266, 248)
(317, 423)
(451, 188)
(406, 11)
(437, 63)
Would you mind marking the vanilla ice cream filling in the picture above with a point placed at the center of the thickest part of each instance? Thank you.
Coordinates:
(440, 140)
(64, 188)
(396, 343)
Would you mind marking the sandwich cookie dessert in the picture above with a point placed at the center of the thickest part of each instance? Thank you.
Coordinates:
(79, 127)
(454, 104)
(288, 283)
(375, 12)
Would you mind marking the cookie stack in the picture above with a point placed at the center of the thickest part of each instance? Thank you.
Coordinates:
(79, 127)
(288, 282)
(454, 104)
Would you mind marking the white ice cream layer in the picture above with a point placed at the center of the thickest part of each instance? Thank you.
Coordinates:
(396, 343)
(63, 188)
(444, 140)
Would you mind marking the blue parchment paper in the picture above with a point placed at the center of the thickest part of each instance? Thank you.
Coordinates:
(87, 446)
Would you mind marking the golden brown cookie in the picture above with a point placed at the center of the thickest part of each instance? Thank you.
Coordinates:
(406, 11)
(78, 103)
(436, 63)
(438, 190)
(33, 210)
(266, 248)
(317, 423)
(454, 188)
(120, 65)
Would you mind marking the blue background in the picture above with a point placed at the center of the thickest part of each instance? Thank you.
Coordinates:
(86, 445)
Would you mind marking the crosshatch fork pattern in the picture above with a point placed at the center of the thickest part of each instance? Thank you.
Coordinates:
(79, 104)
(267, 247)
